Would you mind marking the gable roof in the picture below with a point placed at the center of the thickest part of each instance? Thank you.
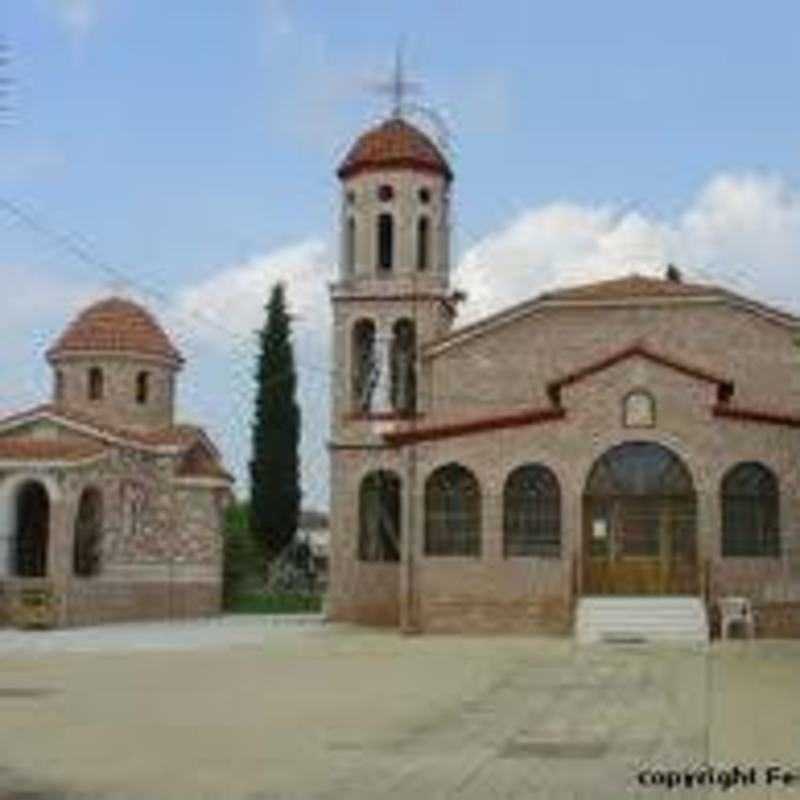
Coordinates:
(627, 287)
(28, 449)
(198, 462)
(460, 423)
(631, 289)
(724, 386)
(174, 439)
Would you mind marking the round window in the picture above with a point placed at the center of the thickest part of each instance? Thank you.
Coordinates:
(424, 195)
(385, 193)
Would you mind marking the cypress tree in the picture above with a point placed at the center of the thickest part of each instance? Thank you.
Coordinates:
(275, 468)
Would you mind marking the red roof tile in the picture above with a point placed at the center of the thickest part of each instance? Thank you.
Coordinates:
(29, 449)
(629, 287)
(115, 325)
(176, 435)
(767, 417)
(638, 349)
(199, 463)
(460, 424)
(394, 144)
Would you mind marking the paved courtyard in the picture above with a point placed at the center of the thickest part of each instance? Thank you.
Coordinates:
(234, 708)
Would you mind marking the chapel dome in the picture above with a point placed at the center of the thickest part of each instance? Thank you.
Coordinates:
(115, 325)
(394, 143)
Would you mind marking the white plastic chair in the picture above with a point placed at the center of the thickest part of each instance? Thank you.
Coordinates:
(733, 610)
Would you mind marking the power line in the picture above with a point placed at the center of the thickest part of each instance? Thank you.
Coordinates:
(79, 247)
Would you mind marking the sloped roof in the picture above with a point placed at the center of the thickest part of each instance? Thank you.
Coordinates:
(631, 288)
(394, 143)
(724, 385)
(23, 448)
(115, 325)
(462, 423)
(199, 463)
(628, 287)
(178, 437)
(451, 423)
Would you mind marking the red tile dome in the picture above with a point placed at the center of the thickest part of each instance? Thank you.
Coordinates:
(115, 325)
(394, 143)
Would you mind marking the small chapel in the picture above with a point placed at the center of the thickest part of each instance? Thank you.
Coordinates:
(110, 510)
(634, 437)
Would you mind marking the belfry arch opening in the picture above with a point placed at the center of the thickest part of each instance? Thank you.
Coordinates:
(403, 367)
(363, 365)
(640, 523)
(32, 531)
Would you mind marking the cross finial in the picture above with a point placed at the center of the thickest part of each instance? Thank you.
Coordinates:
(398, 87)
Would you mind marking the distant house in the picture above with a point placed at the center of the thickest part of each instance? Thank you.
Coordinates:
(314, 531)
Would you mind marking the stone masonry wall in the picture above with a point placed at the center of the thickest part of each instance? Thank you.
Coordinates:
(492, 593)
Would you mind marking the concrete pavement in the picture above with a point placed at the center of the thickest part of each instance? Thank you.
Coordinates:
(235, 709)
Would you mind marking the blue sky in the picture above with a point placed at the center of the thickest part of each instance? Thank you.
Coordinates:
(194, 143)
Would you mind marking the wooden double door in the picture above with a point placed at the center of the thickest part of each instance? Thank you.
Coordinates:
(640, 524)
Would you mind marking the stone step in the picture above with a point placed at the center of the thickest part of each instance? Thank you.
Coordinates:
(656, 619)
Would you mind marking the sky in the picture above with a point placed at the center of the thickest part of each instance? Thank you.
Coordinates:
(184, 154)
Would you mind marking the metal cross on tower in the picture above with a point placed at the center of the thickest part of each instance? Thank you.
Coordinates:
(398, 87)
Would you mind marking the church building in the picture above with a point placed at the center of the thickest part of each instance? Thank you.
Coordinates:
(109, 509)
(631, 437)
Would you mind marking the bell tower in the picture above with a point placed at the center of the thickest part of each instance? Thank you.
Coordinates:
(391, 296)
(393, 281)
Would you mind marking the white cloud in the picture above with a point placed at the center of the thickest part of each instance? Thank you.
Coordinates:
(216, 321)
(233, 301)
(738, 225)
(742, 230)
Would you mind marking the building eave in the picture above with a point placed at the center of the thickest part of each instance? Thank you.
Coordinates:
(542, 303)
(449, 430)
(34, 415)
(54, 463)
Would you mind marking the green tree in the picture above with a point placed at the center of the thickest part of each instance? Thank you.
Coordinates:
(275, 464)
(242, 560)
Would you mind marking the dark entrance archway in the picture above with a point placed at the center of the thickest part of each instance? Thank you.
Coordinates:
(88, 534)
(32, 531)
(640, 523)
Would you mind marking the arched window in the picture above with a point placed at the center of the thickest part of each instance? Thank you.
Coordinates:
(363, 364)
(385, 241)
(95, 383)
(88, 534)
(452, 512)
(750, 511)
(32, 531)
(403, 364)
(639, 501)
(350, 246)
(379, 517)
(142, 387)
(639, 410)
(532, 513)
(423, 237)
(59, 385)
